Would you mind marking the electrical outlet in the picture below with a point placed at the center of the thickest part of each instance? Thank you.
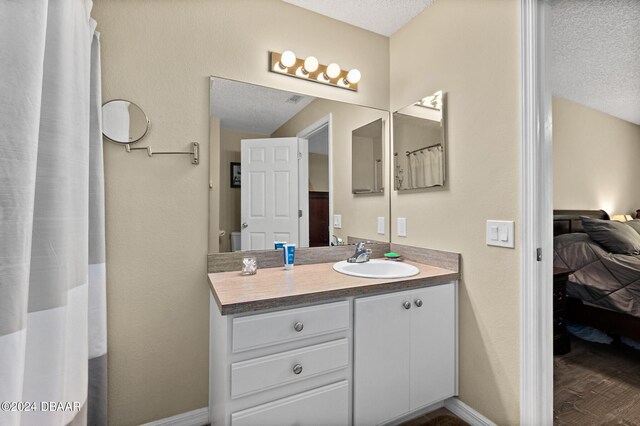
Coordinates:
(402, 226)
(337, 221)
(381, 225)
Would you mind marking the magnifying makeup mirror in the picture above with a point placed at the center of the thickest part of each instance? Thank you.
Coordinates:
(123, 121)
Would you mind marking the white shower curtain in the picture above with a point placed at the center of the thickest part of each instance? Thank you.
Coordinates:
(52, 275)
(425, 168)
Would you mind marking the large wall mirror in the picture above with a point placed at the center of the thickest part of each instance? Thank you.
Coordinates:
(419, 144)
(284, 169)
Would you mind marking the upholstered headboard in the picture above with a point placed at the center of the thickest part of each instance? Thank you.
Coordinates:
(568, 221)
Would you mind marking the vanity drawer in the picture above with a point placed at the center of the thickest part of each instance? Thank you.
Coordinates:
(328, 405)
(278, 369)
(255, 331)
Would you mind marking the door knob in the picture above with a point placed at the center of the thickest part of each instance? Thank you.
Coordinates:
(418, 302)
(297, 369)
(298, 326)
(244, 225)
(407, 305)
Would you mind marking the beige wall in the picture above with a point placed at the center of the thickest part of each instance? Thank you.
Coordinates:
(595, 160)
(318, 172)
(359, 212)
(160, 54)
(230, 197)
(470, 49)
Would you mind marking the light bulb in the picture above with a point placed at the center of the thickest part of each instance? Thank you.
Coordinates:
(288, 58)
(353, 76)
(311, 64)
(333, 70)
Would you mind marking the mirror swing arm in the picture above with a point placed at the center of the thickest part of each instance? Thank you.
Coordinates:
(195, 151)
(124, 123)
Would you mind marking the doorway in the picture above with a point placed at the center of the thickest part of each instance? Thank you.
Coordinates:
(316, 185)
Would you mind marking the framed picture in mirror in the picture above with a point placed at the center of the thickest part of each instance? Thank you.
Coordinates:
(235, 175)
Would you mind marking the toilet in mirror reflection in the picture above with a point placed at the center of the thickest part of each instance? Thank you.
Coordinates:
(295, 162)
(419, 144)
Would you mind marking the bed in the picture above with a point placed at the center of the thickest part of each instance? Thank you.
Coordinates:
(604, 289)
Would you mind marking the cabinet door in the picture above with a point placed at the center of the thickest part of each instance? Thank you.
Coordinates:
(381, 358)
(433, 345)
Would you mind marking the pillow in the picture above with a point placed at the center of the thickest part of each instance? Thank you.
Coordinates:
(615, 237)
(635, 224)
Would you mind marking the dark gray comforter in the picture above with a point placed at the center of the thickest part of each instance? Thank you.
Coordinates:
(603, 279)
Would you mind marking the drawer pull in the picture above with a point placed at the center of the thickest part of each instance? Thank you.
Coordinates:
(297, 369)
(418, 303)
(407, 305)
(298, 326)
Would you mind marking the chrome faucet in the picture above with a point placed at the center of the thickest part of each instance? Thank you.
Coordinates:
(361, 255)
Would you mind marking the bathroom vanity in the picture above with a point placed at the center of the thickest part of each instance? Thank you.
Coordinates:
(312, 346)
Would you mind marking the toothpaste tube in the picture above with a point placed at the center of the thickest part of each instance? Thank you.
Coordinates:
(289, 251)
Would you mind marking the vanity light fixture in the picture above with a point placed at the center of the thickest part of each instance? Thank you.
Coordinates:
(353, 77)
(431, 102)
(309, 66)
(287, 60)
(310, 69)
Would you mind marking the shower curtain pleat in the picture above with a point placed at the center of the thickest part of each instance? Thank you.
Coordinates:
(97, 314)
(52, 301)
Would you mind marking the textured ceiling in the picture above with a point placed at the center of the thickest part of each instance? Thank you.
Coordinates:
(379, 16)
(596, 55)
(250, 108)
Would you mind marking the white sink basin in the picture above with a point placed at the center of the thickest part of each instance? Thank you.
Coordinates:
(376, 268)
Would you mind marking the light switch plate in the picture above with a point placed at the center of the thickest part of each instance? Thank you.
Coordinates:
(402, 226)
(381, 225)
(500, 233)
(337, 221)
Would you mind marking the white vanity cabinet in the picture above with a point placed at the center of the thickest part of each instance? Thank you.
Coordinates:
(362, 360)
(405, 352)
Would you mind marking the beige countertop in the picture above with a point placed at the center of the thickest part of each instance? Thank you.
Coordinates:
(276, 288)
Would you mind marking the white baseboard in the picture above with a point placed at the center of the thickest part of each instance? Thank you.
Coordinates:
(467, 413)
(200, 416)
(197, 417)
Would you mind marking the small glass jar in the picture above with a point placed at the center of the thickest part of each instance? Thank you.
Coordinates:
(249, 266)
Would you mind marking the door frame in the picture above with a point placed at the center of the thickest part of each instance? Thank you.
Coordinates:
(536, 180)
(306, 133)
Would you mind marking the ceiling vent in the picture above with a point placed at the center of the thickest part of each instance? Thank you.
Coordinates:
(294, 99)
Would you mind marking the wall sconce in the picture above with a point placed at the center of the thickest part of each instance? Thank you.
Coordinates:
(287, 63)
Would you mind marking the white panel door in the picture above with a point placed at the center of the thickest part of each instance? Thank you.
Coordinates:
(433, 344)
(381, 358)
(269, 194)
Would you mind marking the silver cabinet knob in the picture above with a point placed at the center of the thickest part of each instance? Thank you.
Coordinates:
(244, 225)
(407, 305)
(418, 302)
(297, 369)
(298, 326)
